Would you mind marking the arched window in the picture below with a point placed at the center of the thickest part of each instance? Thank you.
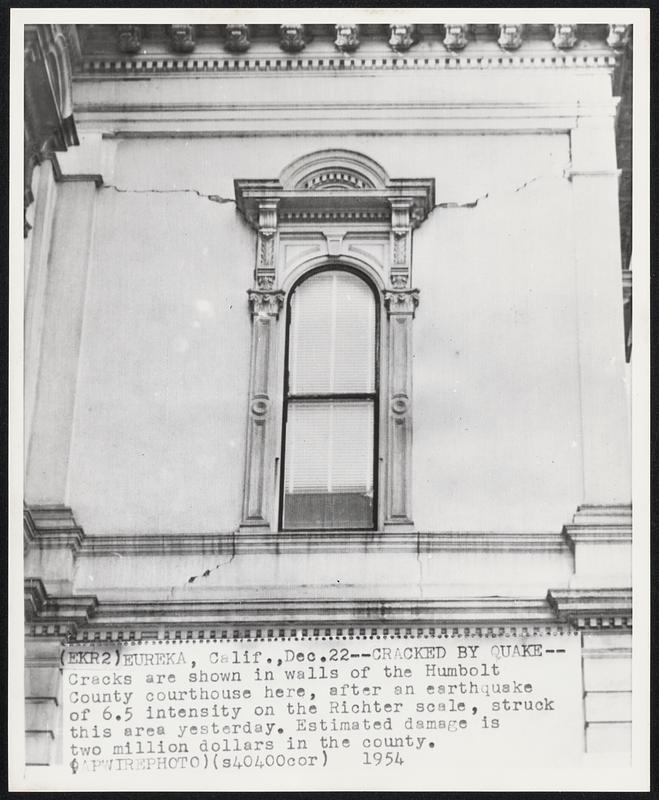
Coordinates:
(330, 405)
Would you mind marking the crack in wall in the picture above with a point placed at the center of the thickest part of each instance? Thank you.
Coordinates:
(216, 198)
(207, 572)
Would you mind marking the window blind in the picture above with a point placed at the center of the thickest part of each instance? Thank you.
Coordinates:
(332, 337)
(329, 447)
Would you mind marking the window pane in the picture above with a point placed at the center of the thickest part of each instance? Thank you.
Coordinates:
(329, 465)
(332, 336)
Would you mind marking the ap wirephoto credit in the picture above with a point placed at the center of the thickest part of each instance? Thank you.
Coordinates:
(326, 403)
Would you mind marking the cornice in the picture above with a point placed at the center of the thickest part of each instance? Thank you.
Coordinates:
(592, 608)
(132, 49)
(85, 619)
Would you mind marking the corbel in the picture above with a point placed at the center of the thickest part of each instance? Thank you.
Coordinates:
(401, 242)
(267, 234)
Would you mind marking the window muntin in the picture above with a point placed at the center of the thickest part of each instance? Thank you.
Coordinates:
(330, 405)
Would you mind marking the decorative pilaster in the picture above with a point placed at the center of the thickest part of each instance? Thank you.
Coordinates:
(402, 37)
(400, 305)
(605, 426)
(510, 37)
(237, 38)
(265, 258)
(265, 307)
(69, 264)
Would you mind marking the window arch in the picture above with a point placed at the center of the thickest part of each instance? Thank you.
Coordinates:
(329, 441)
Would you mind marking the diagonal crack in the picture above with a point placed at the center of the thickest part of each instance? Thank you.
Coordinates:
(207, 572)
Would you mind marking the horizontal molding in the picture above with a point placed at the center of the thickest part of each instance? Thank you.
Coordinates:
(592, 608)
(600, 524)
(216, 64)
(180, 118)
(75, 609)
(70, 616)
(56, 527)
(246, 543)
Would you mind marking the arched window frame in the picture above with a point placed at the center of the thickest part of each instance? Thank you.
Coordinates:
(289, 398)
(328, 206)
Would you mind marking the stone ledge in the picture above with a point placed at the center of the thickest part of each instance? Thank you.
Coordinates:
(51, 610)
(593, 608)
(53, 527)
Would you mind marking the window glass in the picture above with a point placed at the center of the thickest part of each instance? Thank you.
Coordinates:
(330, 405)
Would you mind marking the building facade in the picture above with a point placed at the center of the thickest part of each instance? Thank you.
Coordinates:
(327, 326)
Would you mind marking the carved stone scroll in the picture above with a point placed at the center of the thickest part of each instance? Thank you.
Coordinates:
(265, 308)
(400, 305)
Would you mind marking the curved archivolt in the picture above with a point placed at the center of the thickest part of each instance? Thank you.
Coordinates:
(334, 170)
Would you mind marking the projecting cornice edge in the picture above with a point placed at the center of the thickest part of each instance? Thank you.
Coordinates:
(340, 183)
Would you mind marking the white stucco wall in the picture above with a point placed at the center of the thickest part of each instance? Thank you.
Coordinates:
(159, 425)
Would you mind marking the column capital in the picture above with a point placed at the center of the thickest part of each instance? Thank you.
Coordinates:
(265, 303)
(401, 301)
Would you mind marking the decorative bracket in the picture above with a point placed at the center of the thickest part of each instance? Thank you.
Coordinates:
(347, 38)
(237, 38)
(267, 233)
(402, 37)
(455, 37)
(618, 36)
(293, 38)
(565, 37)
(510, 37)
(182, 38)
(129, 38)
